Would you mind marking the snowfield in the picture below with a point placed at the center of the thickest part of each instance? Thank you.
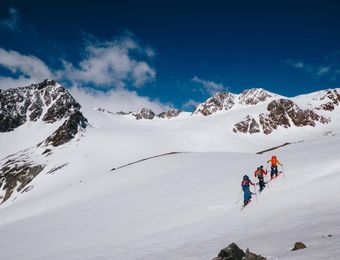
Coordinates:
(181, 206)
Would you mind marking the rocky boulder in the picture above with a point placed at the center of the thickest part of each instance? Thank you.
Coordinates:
(233, 252)
(298, 246)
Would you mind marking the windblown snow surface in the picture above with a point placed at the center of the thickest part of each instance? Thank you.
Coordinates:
(179, 206)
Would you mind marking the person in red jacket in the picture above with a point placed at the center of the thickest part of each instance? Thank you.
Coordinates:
(273, 169)
(259, 173)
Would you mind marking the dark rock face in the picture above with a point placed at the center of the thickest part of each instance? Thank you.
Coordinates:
(68, 130)
(15, 175)
(218, 102)
(248, 125)
(18, 105)
(231, 252)
(281, 113)
(298, 246)
(144, 113)
(170, 114)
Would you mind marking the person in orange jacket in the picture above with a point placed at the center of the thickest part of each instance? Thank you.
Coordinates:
(273, 168)
(259, 173)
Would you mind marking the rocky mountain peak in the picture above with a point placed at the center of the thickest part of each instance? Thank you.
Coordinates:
(254, 96)
(144, 113)
(170, 113)
(47, 100)
(219, 101)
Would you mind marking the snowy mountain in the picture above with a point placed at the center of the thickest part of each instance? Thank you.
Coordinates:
(103, 181)
(226, 101)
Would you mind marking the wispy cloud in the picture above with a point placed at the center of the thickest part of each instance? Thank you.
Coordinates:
(210, 87)
(113, 63)
(29, 69)
(323, 70)
(116, 100)
(328, 67)
(12, 21)
(190, 104)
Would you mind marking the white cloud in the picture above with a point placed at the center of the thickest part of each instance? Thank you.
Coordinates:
(29, 69)
(323, 70)
(328, 68)
(115, 100)
(11, 23)
(111, 64)
(190, 104)
(209, 86)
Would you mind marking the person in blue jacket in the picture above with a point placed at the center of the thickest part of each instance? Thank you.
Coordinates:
(246, 182)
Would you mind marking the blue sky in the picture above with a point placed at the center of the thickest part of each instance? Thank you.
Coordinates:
(178, 53)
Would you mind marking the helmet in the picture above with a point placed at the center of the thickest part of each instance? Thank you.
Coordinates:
(261, 166)
(245, 177)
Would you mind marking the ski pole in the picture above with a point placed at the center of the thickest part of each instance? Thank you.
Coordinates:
(239, 197)
(255, 192)
(267, 178)
(283, 172)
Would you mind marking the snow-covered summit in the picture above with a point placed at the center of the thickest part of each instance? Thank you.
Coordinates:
(226, 100)
(255, 95)
(219, 101)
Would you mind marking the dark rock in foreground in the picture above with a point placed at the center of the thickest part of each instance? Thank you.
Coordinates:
(298, 246)
(233, 252)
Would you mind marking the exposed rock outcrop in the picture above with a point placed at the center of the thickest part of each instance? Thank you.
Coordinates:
(281, 113)
(16, 174)
(68, 129)
(248, 125)
(144, 113)
(170, 114)
(329, 99)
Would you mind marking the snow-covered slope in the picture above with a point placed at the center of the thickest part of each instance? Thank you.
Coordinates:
(181, 206)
